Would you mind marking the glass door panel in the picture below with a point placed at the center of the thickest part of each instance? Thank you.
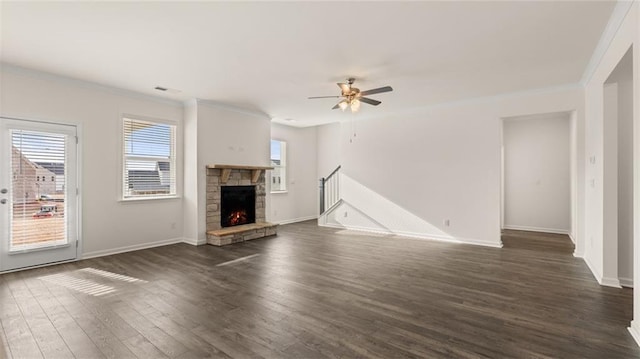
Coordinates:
(40, 200)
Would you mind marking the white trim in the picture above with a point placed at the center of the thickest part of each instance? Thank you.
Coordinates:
(86, 84)
(616, 20)
(174, 157)
(135, 247)
(419, 236)
(607, 282)
(80, 188)
(592, 268)
(138, 199)
(611, 282)
(626, 282)
(39, 266)
(296, 220)
(634, 329)
(571, 237)
(536, 229)
(194, 242)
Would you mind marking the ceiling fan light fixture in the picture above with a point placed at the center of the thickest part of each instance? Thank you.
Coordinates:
(353, 97)
(355, 105)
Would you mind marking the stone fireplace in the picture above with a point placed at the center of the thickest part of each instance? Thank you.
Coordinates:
(236, 204)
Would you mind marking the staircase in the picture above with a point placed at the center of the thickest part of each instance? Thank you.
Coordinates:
(329, 194)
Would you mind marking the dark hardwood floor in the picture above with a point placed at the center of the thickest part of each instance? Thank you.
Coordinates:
(316, 292)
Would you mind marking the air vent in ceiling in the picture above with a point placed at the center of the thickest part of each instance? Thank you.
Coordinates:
(167, 89)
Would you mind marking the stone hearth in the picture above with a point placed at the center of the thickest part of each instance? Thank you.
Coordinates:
(229, 175)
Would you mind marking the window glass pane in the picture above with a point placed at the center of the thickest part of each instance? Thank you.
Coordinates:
(149, 159)
(278, 162)
(38, 211)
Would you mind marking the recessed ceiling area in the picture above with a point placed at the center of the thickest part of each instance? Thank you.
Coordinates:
(270, 56)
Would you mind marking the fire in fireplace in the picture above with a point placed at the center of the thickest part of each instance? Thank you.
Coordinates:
(238, 205)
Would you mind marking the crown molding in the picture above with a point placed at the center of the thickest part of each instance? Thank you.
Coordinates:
(618, 15)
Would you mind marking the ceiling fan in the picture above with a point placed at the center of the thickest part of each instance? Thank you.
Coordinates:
(352, 97)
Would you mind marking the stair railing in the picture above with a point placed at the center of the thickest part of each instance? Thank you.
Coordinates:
(329, 190)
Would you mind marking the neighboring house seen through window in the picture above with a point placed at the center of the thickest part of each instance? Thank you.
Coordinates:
(149, 164)
(279, 164)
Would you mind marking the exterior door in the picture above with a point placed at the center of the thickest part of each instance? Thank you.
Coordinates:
(38, 193)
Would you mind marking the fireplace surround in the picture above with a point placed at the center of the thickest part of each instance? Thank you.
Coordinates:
(248, 181)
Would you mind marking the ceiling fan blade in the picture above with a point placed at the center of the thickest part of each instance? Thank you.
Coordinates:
(336, 106)
(369, 101)
(378, 90)
(345, 88)
(312, 97)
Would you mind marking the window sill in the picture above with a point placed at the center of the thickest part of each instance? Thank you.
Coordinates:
(276, 192)
(144, 199)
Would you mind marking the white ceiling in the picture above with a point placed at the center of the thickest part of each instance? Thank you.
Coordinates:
(270, 56)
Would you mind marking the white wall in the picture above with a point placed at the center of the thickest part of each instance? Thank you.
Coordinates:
(108, 224)
(190, 159)
(618, 214)
(625, 180)
(300, 201)
(438, 163)
(223, 135)
(537, 186)
(329, 148)
(610, 182)
(618, 172)
(626, 36)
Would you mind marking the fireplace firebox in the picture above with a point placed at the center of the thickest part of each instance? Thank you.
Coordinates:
(238, 205)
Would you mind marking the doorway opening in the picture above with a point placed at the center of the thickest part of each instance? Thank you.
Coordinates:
(539, 173)
(618, 179)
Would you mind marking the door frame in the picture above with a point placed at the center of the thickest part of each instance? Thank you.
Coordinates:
(574, 232)
(78, 197)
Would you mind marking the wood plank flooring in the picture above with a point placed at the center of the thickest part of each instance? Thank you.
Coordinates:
(316, 292)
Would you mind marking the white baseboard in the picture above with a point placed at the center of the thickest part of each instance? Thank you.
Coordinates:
(634, 329)
(605, 281)
(626, 282)
(296, 220)
(108, 252)
(571, 237)
(194, 242)
(596, 274)
(610, 282)
(421, 236)
(537, 229)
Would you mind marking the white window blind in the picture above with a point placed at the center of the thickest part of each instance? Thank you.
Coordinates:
(38, 210)
(149, 164)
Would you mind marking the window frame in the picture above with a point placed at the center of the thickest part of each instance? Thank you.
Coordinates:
(283, 166)
(173, 160)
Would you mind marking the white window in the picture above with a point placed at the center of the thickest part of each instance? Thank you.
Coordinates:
(279, 164)
(149, 160)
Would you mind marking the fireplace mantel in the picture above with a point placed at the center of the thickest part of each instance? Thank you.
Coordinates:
(226, 171)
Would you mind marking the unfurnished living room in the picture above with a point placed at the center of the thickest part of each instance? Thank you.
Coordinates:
(330, 179)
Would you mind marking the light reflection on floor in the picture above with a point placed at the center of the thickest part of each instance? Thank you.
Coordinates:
(88, 286)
